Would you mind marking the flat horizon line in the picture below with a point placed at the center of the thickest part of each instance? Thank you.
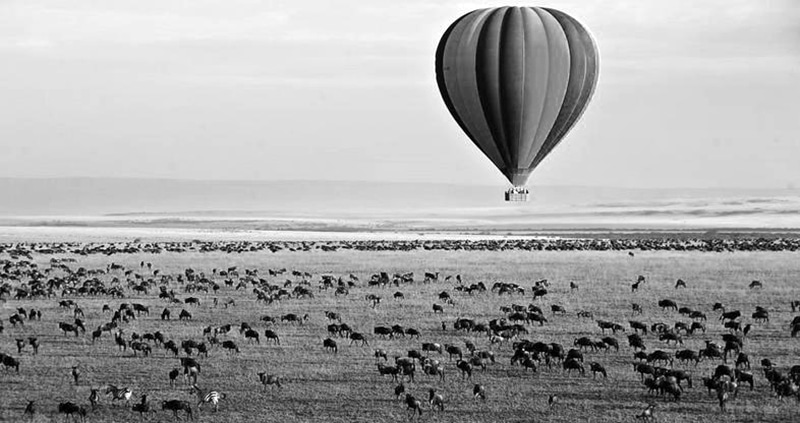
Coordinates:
(351, 181)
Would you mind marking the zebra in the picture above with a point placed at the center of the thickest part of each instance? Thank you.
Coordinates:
(94, 399)
(119, 394)
(212, 397)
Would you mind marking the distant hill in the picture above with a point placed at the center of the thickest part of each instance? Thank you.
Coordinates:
(409, 205)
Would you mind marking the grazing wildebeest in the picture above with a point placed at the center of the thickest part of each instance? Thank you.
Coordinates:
(270, 335)
(173, 374)
(671, 337)
(271, 380)
(596, 368)
(743, 360)
(9, 361)
(680, 284)
(251, 335)
(635, 341)
(611, 342)
(558, 309)
(230, 346)
(755, 284)
(68, 409)
(66, 327)
(382, 331)
(638, 326)
(571, 364)
(668, 304)
(730, 315)
(438, 308)
(178, 405)
(392, 371)
(687, 356)
(357, 337)
(165, 314)
(184, 315)
(761, 316)
(744, 377)
(699, 315)
(143, 406)
(614, 327)
(659, 355)
(584, 342)
(399, 390)
(430, 347)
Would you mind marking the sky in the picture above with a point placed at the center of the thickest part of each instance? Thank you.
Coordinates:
(695, 94)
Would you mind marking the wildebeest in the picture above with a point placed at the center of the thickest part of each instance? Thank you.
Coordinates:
(68, 409)
(453, 350)
(465, 368)
(178, 405)
(688, 356)
(668, 304)
(184, 315)
(358, 337)
(431, 347)
(638, 326)
(251, 335)
(573, 364)
(269, 379)
(596, 367)
(392, 371)
(66, 327)
(730, 315)
(414, 405)
(230, 346)
(635, 341)
(755, 284)
(9, 361)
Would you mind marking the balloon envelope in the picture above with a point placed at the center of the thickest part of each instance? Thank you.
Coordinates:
(516, 79)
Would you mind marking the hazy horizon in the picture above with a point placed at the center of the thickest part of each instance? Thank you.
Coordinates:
(337, 206)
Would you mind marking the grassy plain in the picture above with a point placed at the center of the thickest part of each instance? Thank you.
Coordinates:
(347, 388)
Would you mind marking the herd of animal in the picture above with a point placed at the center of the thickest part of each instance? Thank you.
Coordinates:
(656, 348)
(630, 245)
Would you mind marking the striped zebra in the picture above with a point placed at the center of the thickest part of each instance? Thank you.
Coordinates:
(119, 394)
(203, 397)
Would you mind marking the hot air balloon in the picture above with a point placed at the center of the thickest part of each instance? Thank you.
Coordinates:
(516, 79)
